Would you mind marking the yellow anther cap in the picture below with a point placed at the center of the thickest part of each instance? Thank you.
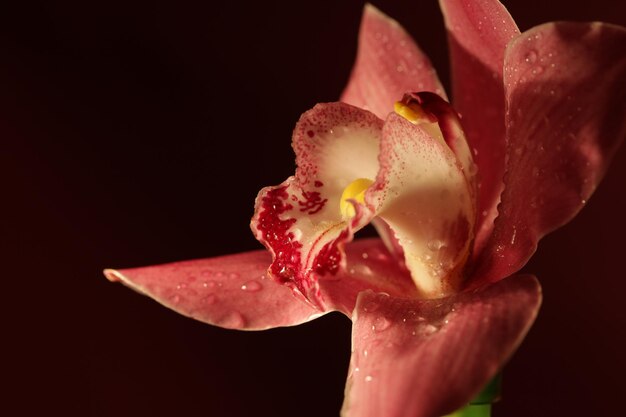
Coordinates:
(354, 191)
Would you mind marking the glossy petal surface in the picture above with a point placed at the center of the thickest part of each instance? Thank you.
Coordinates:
(231, 291)
(388, 64)
(478, 32)
(235, 291)
(369, 266)
(422, 193)
(426, 358)
(566, 97)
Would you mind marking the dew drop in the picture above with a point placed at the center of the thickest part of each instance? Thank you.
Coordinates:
(210, 299)
(369, 378)
(371, 306)
(381, 324)
(234, 320)
(208, 284)
(176, 299)
(435, 244)
(181, 286)
(252, 286)
(233, 275)
(429, 329)
(531, 56)
(362, 270)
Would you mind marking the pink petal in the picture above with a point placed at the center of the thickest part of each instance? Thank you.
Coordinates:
(423, 195)
(450, 125)
(231, 291)
(478, 32)
(426, 358)
(566, 96)
(300, 221)
(235, 291)
(388, 64)
(369, 266)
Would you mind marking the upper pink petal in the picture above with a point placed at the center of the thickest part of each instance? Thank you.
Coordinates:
(566, 97)
(478, 32)
(388, 64)
(425, 358)
(231, 291)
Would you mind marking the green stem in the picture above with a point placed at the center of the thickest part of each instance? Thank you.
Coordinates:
(481, 405)
(473, 410)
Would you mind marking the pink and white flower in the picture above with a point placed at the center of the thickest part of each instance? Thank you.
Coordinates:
(460, 201)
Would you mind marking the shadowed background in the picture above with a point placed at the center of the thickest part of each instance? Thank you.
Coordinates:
(136, 134)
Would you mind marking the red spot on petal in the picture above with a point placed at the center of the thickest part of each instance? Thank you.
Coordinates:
(328, 259)
(310, 133)
(276, 235)
(318, 184)
(312, 202)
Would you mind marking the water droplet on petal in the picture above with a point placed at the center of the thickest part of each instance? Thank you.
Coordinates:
(181, 286)
(252, 286)
(381, 324)
(369, 378)
(371, 306)
(210, 299)
(429, 329)
(208, 284)
(234, 320)
(233, 275)
(435, 244)
(175, 299)
(362, 270)
(531, 56)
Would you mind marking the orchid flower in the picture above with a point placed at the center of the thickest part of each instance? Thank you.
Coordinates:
(459, 194)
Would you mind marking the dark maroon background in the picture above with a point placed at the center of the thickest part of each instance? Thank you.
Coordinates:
(139, 134)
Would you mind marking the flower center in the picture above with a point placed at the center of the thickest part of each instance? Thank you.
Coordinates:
(355, 191)
(411, 111)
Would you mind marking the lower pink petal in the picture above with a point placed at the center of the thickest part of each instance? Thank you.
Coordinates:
(230, 291)
(566, 96)
(426, 358)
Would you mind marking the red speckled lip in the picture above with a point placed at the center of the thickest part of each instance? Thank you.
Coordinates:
(420, 189)
(275, 232)
(300, 221)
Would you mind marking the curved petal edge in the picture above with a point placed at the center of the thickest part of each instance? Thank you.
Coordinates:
(566, 105)
(427, 358)
(232, 291)
(388, 64)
